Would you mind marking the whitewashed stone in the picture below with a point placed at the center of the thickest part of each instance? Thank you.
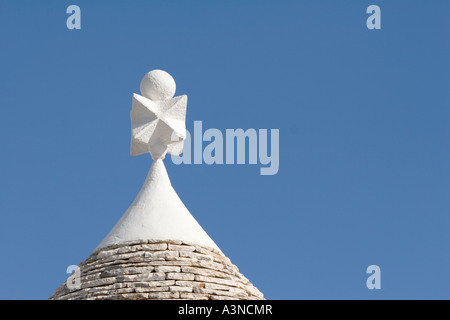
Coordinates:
(177, 242)
(130, 270)
(142, 277)
(227, 282)
(216, 292)
(98, 283)
(167, 269)
(205, 272)
(202, 250)
(150, 289)
(180, 289)
(189, 283)
(193, 296)
(136, 296)
(180, 276)
(176, 262)
(210, 265)
(209, 285)
(155, 246)
(181, 247)
(106, 253)
(214, 297)
(221, 259)
(194, 255)
(164, 295)
(167, 255)
(162, 283)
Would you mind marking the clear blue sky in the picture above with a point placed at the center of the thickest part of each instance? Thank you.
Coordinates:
(364, 120)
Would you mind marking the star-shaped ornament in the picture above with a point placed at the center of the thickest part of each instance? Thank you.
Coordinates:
(157, 119)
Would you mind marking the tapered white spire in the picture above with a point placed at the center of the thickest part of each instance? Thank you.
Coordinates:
(157, 213)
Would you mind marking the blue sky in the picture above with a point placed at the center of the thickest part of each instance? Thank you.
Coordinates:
(364, 120)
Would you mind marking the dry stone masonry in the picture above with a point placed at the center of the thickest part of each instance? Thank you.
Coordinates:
(155, 270)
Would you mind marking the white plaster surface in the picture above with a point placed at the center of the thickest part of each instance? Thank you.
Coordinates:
(157, 213)
(158, 85)
(158, 127)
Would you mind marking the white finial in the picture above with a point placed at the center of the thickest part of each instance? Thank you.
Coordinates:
(158, 127)
(158, 85)
(157, 119)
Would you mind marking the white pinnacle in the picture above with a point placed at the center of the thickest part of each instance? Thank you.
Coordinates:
(157, 127)
(157, 213)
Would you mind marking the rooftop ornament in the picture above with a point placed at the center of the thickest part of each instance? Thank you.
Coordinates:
(157, 127)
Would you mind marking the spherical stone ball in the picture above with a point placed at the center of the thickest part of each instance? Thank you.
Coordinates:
(158, 85)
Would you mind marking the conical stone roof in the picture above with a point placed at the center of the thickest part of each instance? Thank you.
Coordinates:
(159, 270)
(157, 250)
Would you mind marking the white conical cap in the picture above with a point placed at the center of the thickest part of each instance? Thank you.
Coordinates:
(157, 213)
